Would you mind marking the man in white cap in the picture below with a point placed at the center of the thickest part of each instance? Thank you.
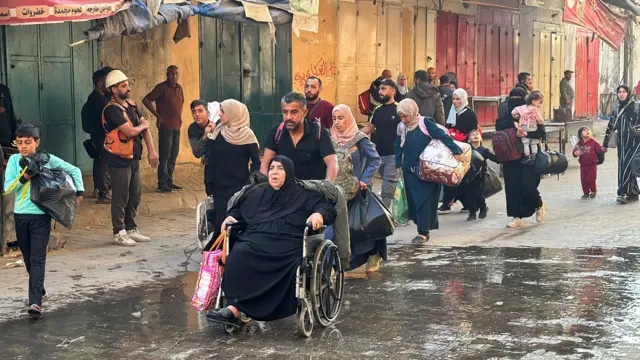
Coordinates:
(125, 128)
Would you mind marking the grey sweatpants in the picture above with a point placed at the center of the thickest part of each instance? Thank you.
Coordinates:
(389, 175)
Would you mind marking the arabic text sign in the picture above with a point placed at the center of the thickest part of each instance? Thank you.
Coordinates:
(42, 11)
(597, 17)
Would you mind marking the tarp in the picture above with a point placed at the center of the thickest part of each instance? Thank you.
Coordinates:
(19, 12)
(232, 10)
(631, 5)
(597, 17)
(139, 19)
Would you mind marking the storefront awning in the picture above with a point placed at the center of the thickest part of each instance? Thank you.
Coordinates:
(22, 12)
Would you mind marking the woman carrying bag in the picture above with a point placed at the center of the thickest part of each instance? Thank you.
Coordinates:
(422, 195)
(358, 161)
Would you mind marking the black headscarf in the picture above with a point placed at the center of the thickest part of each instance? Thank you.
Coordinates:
(624, 103)
(505, 119)
(266, 203)
(516, 98)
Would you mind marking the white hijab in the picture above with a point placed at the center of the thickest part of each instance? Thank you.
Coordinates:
(454, 112)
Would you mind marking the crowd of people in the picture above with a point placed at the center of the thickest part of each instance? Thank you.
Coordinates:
(315, 141)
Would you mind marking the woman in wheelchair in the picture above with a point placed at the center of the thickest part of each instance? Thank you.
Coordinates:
(260, 271)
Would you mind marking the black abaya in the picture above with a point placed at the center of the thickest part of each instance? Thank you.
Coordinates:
(260, 271)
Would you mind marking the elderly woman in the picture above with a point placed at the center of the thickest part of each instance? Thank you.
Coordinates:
(261, 268)
(354, 174)
(460, 122)
(624, 118)
(232, 145)
(410, 142)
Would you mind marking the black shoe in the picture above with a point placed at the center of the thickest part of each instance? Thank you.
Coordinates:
(419, 240)
(164, 189)
(622, 200)
(224, 316)
(34, 312)
(584, 196)
(471, 217)
(483, 212)
(175, 187)
(443, 210)
(464, 210)
(593, 194)
(632, 198)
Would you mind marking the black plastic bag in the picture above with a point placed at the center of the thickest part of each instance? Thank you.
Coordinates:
(475, 169)
(369, 218)
(54, 192)
(491, 183)
(550, 162)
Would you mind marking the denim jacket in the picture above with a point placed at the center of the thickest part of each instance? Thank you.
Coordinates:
(366, 161)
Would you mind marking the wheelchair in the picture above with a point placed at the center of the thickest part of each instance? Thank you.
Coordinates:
(319, 282)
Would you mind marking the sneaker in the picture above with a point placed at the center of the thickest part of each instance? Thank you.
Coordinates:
(164, 189)
(122, 238)
(622, 200)
(515, 223)
(175, 187)
(443, 210)
(373, 264)
(34, 311)
(585, 196)
(471, 217)
(137, 237)
(593, 194)
(483, 212)
(541, 212)
(45, 298)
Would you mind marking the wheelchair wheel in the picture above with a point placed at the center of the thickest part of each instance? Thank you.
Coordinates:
(327, 284)
(305, 319)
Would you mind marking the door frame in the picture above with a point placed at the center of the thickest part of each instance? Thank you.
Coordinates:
(3, 54)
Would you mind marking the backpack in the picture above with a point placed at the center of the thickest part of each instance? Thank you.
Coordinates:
(506, 145)
(278, 134)
(86, 119)
(346, 178)
(364, 103)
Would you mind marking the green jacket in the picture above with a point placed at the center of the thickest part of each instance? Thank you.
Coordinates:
(333, 193)
(23, 204)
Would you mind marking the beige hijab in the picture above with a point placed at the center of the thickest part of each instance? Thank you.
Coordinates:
(236, 131)
(350, 131)
(409, 107)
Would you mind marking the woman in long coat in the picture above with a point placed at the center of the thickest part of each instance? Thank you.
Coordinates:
(365, 163)
(422, 196)
(624, 117)
(520, 181)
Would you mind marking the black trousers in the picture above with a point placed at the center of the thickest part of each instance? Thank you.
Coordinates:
(33, 233)
(101, 177)
(125, 196)
(448, 196)
(471, 195)
(169, 147)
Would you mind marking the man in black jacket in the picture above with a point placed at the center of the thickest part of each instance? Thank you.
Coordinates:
(8, 121)
(92, 124)
(446, 93)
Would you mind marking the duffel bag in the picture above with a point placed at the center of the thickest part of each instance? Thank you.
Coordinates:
(550, 162)
(491, 183)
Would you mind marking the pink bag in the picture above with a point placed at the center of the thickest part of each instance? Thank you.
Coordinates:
(438, 164)
(210, 277)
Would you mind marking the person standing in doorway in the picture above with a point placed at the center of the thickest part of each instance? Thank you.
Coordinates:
(169, 99)
(319, 110)
(567, 95)
(427, 97)
(431, 75)
(384, 121)
(125, 128)
(8, 121)
(446, 93)
(92, 124)
(305, 142)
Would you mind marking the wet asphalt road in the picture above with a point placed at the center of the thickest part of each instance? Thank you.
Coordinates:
(426, 303)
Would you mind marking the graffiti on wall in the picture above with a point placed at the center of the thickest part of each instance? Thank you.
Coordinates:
(322, 69)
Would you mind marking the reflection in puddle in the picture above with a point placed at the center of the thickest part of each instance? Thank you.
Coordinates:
(427, 302)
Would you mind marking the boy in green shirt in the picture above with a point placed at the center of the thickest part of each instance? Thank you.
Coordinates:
(33, 226)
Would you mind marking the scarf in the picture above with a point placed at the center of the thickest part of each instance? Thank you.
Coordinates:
(351, 128)
(623, 103)
(410, 108)
(236, 131)
(454, 112)
(403, 90)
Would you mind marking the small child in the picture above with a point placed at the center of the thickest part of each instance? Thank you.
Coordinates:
(33, 225)
(529, 117)
(588, 151)
(472, 191)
